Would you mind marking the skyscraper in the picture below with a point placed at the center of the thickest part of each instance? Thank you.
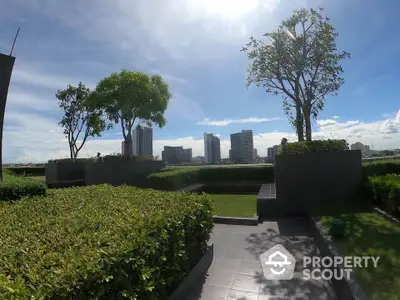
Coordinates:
(212, 149)
(142, 140)
(242, 147)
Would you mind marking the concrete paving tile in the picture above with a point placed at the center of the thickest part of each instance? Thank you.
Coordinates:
(251, 268)
(221, 277)
(245, 282)
(242, 295)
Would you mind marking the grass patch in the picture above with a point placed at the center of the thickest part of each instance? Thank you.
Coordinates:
(234, 205)
(39, 178)
(369, 234)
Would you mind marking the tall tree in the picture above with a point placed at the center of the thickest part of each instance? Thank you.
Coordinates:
(80, 120)
(128, 97)
(299, 61)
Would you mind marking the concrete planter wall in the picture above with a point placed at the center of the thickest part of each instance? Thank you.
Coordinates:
(64, 171)
(120, 172)
(304, 180)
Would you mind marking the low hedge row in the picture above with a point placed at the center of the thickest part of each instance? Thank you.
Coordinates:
(14, 187)
(313, 146)
(386, 192)
(378, 168)
(27, 171)
(101, 242)
(170, 179)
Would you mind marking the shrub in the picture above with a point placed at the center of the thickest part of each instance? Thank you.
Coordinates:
(101, 242)
(14, 187)
(383, 167)
(314, 146)
(180, 177)
(337, 228)
(386, 191)
(26, 171)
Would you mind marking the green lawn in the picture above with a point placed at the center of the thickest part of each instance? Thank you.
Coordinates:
(369, 234)
(234, 205)
(40, 178)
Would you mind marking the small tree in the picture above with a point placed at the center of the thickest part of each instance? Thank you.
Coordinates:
(128, 97)
(299, 61)
(79, 118)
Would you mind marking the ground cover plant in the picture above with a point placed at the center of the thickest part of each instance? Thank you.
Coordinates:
(369, 234)
(101, 242)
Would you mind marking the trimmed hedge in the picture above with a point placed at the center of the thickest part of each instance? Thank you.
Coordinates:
(386, 192)
(27, 171)
(15, 187)
(101, 242)
(378, 168)
(313, 146)
(170, 179)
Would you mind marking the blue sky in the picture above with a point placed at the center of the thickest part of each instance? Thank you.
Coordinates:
(195, 45)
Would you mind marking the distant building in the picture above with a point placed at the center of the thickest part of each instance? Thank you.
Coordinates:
(198, 159)
(187, 155)
(242, 147)
(365, 150)
(255, 156)
(212, 149)
(271, 153)
(176, 155)
(142, 140)
(123, 148)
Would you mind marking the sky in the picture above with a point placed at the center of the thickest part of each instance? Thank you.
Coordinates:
(195, 46)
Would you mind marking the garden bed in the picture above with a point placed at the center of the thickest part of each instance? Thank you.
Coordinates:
(370, 234)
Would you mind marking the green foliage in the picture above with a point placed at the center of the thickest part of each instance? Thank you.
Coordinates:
(15, 187)
(26, 171)
(119, 156)
(129, 96)
(299, 61)
(314, 146)
(101, 242)
(386, 192)
(181, 177)
(337, 228)
(381, 167)
(79, 117)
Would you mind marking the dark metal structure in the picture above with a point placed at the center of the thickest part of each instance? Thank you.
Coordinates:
(6, 67)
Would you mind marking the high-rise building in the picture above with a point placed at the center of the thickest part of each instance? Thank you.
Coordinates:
(365, 150)
(176, 154)
(255, 154)
(212, 149)
(271, 153)
(242, 147)
(123, 148)
(187, 155)
(142, 140)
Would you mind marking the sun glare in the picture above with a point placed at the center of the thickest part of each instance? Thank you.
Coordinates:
(230, 9)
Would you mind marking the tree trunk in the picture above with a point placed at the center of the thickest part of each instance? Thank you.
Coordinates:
(128, 147)
(71, 151)
(307, 120)
(299, 123)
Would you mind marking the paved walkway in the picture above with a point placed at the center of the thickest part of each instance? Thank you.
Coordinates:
(236, 272)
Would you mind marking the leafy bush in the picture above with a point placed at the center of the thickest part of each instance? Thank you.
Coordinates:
(314, 146)
(68, 160)
(26, 171)
(181, 177)
(386, 192)
(15, 187)
(130, 158)
(101, 242)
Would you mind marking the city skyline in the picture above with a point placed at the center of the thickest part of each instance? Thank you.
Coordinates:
(196, 49)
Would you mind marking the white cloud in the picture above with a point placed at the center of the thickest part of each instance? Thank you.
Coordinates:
(208, 122)
(327, 122)
(30, 137)
(336, 117)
